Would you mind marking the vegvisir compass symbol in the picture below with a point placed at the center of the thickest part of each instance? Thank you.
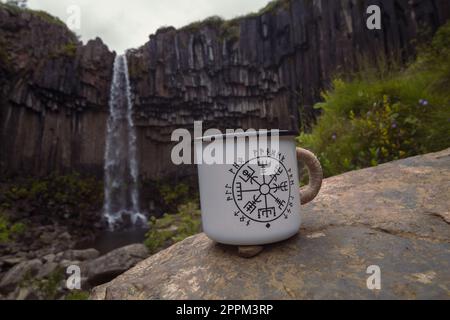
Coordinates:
(261, 189)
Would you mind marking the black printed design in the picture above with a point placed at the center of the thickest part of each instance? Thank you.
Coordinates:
(261, 189)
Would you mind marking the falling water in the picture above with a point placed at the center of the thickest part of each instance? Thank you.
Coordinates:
(121, 167)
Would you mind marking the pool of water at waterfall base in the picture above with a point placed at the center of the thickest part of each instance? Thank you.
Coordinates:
(107, 240)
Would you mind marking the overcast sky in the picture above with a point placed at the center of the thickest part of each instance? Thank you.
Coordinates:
(124, 24)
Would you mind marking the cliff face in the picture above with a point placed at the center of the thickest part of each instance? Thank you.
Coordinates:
(259, 71)
(54, 96)
(256, 71)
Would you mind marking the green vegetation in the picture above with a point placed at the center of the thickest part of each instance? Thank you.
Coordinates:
(173, 196)
(47, 17)
(16, 10)
(273, 6)
(39, 13)
(228, 29)
(4, 57)
(69, 49)
(46, 288)
(172, 228)
(8, 230)
(11, 8)
(380, 116)
(212, 22)
(77, 295)
(181, 220)
(135, 71)
(59, 196)
(165, 29)
(5, 60)
(49, 286)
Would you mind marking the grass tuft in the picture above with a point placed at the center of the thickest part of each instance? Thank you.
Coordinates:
(380, 116)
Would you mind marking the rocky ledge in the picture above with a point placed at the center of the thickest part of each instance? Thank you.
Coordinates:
(395, 216)
(44, 277)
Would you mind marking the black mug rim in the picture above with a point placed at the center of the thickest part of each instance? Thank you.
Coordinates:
(255, 133)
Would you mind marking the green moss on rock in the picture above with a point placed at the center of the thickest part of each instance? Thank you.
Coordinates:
(172, 228)
(212, 22)
(77, 295)
(42, 15)
(9, 230)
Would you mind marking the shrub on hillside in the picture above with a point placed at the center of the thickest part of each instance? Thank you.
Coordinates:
(171, 228)
(59, 197)
(9, 230)
(375, 118)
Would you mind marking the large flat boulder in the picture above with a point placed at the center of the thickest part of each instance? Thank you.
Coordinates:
(18, 273)
(395, 216)
(110, 265)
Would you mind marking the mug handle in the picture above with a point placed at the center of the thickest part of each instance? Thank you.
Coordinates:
(315, 174)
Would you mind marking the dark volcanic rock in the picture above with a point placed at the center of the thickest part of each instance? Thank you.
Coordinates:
(81, 255)
(54, 95)
(108, 266)
(17, 273)
(259, 71)
(395, 216)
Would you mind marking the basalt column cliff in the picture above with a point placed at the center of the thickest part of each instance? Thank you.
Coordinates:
(53, 98)
(263, 70)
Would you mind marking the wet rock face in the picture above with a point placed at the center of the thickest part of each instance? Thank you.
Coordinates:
(394, 216)
(54, 95)
(259, 71)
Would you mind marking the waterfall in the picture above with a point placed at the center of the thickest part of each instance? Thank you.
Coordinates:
(121, 166)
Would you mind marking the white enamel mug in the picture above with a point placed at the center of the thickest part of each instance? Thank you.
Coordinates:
(253, 198)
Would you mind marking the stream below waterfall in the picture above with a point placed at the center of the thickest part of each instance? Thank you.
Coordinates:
(108, 240)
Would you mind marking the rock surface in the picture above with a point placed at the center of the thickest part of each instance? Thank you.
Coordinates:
(22, 278)
(17, 273)
(395, 216)
(81, 255)
(113, 263)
